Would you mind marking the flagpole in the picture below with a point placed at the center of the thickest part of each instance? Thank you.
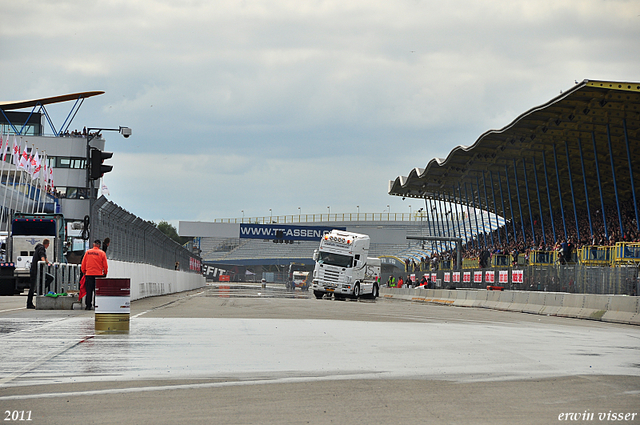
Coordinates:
(6, 186)
(13, 177)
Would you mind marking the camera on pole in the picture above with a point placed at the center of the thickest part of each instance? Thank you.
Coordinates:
(97, 168)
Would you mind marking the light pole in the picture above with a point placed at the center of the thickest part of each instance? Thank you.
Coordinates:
(242, 211)
(126, 132)
(270, 216)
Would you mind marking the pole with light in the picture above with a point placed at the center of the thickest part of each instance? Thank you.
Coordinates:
(95, 158)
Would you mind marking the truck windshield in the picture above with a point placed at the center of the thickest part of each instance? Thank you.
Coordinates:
(334, 259)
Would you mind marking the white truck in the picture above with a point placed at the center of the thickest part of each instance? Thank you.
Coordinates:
(28, 230)
(343, 268)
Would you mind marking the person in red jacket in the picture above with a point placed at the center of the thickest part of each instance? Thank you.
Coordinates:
(94, 264)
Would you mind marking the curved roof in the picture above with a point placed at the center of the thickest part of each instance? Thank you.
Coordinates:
(576, 124)
(21, 104)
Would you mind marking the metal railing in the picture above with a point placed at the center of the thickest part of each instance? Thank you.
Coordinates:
(329, 217)
(63, 277)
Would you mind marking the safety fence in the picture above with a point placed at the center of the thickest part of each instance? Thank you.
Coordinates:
(57, 278)
(138, 241)
(569, 278)
(620, 254)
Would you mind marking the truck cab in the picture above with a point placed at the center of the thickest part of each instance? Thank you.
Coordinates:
(343, 267)
(28, 230)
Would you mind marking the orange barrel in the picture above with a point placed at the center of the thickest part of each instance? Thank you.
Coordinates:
(113, 304)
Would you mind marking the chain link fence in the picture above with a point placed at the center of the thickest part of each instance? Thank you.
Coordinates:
(136, 240)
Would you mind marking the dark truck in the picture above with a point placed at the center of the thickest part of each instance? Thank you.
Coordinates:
(28, 230)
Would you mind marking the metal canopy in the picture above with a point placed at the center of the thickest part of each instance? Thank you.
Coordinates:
(589, 114)
(38, 105)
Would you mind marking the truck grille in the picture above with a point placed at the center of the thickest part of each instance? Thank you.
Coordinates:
(330, 277)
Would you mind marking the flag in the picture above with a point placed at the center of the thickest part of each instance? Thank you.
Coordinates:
(105, 190)
(37, 166)
(51, 177)
(83, 291)
(32, 163)
(16, 152)
(24, 160)
(5, 146)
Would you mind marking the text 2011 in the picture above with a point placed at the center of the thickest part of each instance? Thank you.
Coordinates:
(17, 415)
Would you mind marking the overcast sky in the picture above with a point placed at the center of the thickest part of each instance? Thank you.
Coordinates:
(256, 105)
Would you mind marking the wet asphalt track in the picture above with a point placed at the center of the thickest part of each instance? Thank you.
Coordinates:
(253, 355)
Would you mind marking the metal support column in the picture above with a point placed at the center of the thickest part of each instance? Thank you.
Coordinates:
(504, 212)
(452, 195)
(633, 188)
(513, 217)
(604, 216)
(586, 192)
(546, 179)
(515, 172)
(535, 173)
(445, 228)
(464, 225)
(495, 209)
(486, 203)
(573, 198)
(466, 194)
(431, 230)
(615, 184)
(526, 185)
(555, 159)
(484, 229)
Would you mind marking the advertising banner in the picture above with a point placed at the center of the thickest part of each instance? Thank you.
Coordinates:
(517, 276)
(447, 277)
(504, 276)
(489, 276)
(284, 232)
(477, 277)
(456, 276)
(466, 277)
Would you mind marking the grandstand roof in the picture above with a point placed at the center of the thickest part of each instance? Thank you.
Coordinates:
(590, 113)
(21, 104)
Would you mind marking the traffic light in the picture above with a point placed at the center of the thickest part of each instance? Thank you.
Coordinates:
(97, 168)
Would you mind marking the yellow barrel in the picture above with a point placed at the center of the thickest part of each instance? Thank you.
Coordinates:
(112, 322)
(112, 305)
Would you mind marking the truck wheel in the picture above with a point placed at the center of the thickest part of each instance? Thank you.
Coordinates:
(356, 291)
(318, 294)
(375, 293)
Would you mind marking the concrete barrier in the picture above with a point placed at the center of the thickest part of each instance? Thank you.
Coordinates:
(505, 300)
(552, 303)
(623, 310)
(148, 280)
(481, 299)
(610, 308)
(571, 305)
(493, 298)
(534, 303)
(594, 307)
(520, 300)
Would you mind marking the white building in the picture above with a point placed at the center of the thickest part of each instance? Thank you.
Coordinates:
(66, 151)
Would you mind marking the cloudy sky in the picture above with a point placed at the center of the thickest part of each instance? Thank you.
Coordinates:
(297, 106)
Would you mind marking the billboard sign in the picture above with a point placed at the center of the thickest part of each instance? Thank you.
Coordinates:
(284, 232)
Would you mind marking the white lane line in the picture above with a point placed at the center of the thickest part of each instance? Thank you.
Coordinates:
(341, 377)
(167, 304)
(41, 360)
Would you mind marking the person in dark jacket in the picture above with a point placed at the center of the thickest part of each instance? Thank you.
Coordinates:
(40, 254)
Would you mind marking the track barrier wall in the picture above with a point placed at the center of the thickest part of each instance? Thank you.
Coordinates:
(608, 308)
